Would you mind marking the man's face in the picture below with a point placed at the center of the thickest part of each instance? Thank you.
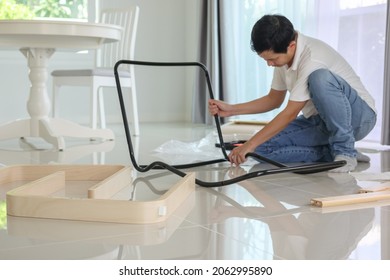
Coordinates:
(279, 59)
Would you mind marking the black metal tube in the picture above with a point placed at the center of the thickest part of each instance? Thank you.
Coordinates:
(301, 169)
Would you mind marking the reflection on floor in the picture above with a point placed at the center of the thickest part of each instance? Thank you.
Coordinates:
(267, 217)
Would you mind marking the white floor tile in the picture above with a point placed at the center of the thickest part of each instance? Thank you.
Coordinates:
(268, 217)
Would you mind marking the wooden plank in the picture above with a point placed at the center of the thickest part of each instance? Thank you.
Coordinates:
(89, 172)
(43, 186)
(351, 199)
(349, 207)
(241, 130)
(250, 122)
(111, 185)
(379, 188)
(73, 172)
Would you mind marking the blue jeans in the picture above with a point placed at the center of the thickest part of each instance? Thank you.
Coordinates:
(343, 118)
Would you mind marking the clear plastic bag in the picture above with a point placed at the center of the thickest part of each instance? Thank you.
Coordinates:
(179, 152)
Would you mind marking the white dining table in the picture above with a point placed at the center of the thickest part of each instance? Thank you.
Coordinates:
(38, 40)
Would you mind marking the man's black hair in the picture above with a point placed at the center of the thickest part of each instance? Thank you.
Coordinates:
(272, 33)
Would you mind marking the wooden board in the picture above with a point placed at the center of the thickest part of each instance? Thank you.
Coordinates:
(240, 130)
(35, 198)
(351, 199)
(259, 123)
(378, 188)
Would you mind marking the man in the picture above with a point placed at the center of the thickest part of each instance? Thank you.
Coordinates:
(328, 107)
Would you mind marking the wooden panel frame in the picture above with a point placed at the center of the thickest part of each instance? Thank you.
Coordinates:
(35, 198)
(108, 233)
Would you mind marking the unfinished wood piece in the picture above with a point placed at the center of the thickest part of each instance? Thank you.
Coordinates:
(35, 198)
(45, 185)
(261, 123)
(72, 172)
(240, 130)
(379, 188)
(351, 199)
(349, 207)
(110, 185)
(101, 232)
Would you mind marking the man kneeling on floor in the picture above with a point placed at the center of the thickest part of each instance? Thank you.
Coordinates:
(337, 110)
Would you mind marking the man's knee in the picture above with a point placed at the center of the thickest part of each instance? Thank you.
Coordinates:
(319, 76)
(319, 80)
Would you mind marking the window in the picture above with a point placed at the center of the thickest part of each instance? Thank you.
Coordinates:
(365, 26)
(29, 9)
(356, 28)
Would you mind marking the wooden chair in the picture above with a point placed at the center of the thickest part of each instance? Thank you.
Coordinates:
(103, 74)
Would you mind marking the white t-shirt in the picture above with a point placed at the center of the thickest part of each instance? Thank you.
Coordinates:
(312, 54)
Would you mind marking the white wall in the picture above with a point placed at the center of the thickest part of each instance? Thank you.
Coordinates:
(167, 32)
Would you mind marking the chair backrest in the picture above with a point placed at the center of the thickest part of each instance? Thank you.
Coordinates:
(109, 54)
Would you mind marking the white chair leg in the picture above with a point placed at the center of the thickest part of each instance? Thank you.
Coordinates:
(134, 101)
(102, 113)
(94, 106)
(135, 111)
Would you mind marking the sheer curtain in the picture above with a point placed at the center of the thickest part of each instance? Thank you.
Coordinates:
(356, 28)
(210, 55)
(386, 91)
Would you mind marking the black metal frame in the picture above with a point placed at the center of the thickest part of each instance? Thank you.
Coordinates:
(300, 169)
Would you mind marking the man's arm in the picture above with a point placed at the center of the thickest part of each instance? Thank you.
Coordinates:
(237, 155)
(272, 100)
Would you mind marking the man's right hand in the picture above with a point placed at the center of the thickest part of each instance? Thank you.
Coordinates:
(217, 107)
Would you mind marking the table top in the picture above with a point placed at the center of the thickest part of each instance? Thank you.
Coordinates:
(58, 34)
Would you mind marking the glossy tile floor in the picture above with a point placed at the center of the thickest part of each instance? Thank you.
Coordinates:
(268, 217)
